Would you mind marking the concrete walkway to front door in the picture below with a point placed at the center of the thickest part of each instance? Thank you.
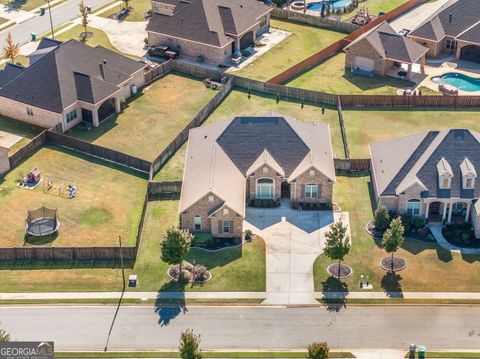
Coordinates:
(291, 249)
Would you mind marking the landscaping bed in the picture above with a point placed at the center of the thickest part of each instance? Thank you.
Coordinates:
(206, 241)
(152, 119)
(189, 273)
(345, 271)
(395, 264)
(461, 235)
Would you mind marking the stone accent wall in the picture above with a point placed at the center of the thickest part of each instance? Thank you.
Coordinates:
(325, 187)
(226, 214)
(4, 162)
(364, 49)
(391, 202)
(202, 208)
(264, 172)
(192, 49)
(18, 111)
(162, 8)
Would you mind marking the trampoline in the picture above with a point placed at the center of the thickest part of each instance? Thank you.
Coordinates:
(42, 222)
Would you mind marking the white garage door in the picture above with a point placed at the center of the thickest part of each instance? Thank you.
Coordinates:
(363, 63)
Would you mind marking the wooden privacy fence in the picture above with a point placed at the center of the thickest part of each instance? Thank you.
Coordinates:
(29, 150)
(164, 190)
(352, 164)
(342, 129)
(386, 102)
(182, 137)
(67, 253)
(198, 71)
(141, 223)
(317, 21)
(154, 73)
(103, 153)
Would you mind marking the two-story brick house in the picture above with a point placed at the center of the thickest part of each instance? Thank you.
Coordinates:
(231, 163)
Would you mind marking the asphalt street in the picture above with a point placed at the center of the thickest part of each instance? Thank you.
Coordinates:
(61, 14)
(149, 328)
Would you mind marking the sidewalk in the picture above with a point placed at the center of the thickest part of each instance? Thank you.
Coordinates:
(232, 295)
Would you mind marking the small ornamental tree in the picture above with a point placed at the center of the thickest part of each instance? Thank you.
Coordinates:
(127, 5)
(381, 218)
(11, 49)
(393, 237)
(84, 16)
(318, 350)
(4, 336)
(190, 345)
(175, 246)
(337, 243)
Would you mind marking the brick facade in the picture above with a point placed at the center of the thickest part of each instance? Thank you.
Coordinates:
(264, 172)
(364, 49)
(18, 111)
(311, 176)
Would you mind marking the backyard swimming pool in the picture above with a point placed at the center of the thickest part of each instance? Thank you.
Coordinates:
(317, 6)
(459, 81)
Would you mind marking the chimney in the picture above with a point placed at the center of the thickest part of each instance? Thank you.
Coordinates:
(104, 62)
(102, 72)
(450, 17)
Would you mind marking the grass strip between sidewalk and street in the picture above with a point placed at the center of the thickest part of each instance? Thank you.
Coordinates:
(206, 354)
(132, 301)
(398, 301)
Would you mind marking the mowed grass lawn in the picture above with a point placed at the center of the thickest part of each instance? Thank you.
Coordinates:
(376, 6)
(140, 7)
(25, 5)
(25, 130)
(364, 127)
(303, 42)
(108, 204)
(330, 76)
(153, 119)
(237, 269)
(429, 266)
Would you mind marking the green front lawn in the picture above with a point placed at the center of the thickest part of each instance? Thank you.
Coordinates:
(153, 119)
(25, 5)
(429, 266)
(140, 7)
(330, 76)
(364, 127)
(25, 130)
(108, 203)
(236, 269)
(19, 60)
(303, 42)
(376, 6)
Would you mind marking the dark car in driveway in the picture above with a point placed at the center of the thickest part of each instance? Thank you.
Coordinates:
(162, 52)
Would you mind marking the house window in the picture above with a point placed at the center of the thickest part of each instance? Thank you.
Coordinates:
(210, 198)
(29, 111)
(311, 190)
(445, 183)
(452, 45)
(265, 188)
(469, 183)
(263, 22)
(413, 207)
(72, 115)
(197, 222)
(312, 173)
(226, 226)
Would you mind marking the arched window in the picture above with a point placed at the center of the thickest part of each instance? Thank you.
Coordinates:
(265, 188)
(413, 207)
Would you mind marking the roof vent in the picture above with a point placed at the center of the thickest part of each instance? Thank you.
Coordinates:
(450, 18)
(104, 61)
(241, 6)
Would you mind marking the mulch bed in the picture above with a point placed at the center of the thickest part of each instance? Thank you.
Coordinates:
(345, 271)
(86, 35)
(398, 264)
(173, 273)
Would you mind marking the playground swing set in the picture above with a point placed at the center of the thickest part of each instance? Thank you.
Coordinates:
(60, 186)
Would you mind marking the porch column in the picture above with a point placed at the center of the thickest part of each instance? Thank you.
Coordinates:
(237, 45)
(444, 216)
(118, 108)
(450, 214)
(95, 120)
(409, 71)
(427, 209)
(422, 65)
(467, 215)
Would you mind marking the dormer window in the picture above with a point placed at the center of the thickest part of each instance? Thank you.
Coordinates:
(468, 174)
(445, 174)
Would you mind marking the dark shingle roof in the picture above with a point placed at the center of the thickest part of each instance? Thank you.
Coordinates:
(246, 138)
(9, 72)
(208, 21)
(54, 82)
(471, 35)
(451, 19)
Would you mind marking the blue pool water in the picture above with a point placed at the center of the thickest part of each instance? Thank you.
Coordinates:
(460, 81)
(317, 6)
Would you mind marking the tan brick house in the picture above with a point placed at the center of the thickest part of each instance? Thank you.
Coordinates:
(67, 83)
(430, 174)
(381, 51)
(211, 29)
(253, 161)
(453, 29)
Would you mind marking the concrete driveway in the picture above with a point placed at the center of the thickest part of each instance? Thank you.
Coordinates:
(293, 241)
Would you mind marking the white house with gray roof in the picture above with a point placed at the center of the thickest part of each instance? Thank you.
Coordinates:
(253, 161)
(430, 174)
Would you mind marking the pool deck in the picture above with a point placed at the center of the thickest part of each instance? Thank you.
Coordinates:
(317, 12)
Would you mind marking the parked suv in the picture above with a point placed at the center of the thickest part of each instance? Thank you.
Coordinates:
(162, 51)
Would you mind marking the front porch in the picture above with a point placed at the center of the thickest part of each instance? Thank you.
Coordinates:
(447, 211)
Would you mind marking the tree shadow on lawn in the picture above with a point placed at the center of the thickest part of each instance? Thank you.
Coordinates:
(470, 258)
(416, 246)
(335, 294)
(365, 83)
(15, 5)
(63, 264)
(391, 285)
(214, 259)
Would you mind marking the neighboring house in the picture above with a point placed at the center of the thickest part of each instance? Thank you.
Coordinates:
(67, 83)
(211, 29)
(430, 174)
(381, 50)
(232, 163)
(453, 29)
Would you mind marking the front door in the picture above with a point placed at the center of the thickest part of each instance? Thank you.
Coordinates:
(285, 190)
(87, 116)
